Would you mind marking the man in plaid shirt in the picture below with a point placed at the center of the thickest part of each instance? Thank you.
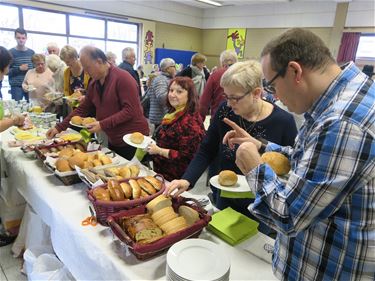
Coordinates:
(325, 213)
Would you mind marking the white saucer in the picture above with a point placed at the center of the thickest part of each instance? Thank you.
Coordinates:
(146, 141)
(79, 126)
(240, 186)
(198, 259)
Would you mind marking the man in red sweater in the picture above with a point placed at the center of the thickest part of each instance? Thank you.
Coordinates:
(113, 96)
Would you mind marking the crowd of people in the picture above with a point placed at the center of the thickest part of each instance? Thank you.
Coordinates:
(321, 217)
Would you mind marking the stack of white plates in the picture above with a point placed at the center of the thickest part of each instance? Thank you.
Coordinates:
(197, 259)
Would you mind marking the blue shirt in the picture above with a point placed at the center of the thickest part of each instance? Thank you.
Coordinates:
(16, 75)
(325, 213)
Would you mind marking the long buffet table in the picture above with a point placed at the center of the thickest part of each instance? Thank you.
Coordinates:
(93, 253)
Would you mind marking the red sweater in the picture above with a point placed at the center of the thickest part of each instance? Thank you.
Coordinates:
(118, 107)
(212, 95)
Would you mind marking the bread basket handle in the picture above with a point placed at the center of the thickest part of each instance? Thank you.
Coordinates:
(121, 233)
(182, 200)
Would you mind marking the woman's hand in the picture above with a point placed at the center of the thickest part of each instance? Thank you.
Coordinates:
(94, 127)
(176, 187)
(238, 135)
(152, 149)
(51, 133)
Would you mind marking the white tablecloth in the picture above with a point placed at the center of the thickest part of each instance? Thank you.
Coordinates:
(92, 253)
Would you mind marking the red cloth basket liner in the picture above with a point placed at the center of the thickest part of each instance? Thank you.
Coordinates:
(104, 209)
(41, 156)
(145, 251)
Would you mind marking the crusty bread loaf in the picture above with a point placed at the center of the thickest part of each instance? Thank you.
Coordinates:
(146, 186)
(66, 152)
(136, 189)
(136, 137)
(101, 193)
(158, 203)
(190, 215)
(142, 229)
(278, 162)
(126, 189)
(157, 184)
(125, 172)
(78, 159)
(227, 178)
(174, 225)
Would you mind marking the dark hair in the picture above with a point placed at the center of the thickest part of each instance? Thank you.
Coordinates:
(96, 53)
(192, 99)
(299, 45)
(20, 30)
(368, 69)
(5, 58)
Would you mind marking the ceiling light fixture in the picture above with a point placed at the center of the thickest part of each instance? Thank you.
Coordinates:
(210, 2)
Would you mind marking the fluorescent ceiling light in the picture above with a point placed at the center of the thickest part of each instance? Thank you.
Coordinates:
(210, 2)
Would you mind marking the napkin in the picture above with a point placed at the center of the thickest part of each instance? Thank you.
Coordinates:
(232, 226)
(86, 135)
(229, 194)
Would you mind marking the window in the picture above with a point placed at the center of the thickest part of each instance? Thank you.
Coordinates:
(117, 47)
(88, 27)
(39, 41)
(7, 39)
(9, 17)
(78, 43)
(35, 20)
(366, 49)
(122, 31)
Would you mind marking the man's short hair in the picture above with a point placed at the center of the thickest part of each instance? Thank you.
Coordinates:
(5, 58)
(165, 63)
(20, 30)
(94, 53)
(126, 52)
(228, 57)
(299, 45)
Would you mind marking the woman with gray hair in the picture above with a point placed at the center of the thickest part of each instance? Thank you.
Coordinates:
(57, 66)
(242, 84)
(159, 90)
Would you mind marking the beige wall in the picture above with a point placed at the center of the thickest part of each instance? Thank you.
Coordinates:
(171, 36)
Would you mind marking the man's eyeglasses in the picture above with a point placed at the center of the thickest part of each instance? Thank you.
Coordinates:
(268, 85)
(236, 99)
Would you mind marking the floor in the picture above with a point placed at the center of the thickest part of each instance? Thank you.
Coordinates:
(11, 267)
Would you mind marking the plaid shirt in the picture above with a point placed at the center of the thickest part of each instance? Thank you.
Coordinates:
(325, 213)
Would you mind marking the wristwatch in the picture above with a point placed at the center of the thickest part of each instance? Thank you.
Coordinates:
(263, 145)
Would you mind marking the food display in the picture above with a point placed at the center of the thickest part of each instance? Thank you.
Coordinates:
(228, 178)
(84, 160)
(59, 148)
(142, 229)
(278, 162)
(136, 138)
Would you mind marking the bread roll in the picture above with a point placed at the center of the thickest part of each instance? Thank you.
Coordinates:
(227, 178)
(136, 189)
(144, 194)
(80, 147)
(134, 169)
(126, 189)
(62, 165)
(158, 203)
(101, 193)
(88, 120)
(190, 215)
(146, 186)
(278, 162)
(142, 229)
(115, 190)
(77, 120)
(105, 160)
(77, 160)
(174, 225)
(157, 184)
(66, 152)
(136, 138)
(96, 162)
(125, 172)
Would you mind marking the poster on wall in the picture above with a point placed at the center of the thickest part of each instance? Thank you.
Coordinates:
(148, 50)
(236, 39)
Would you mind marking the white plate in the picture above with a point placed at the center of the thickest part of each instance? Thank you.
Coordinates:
(241, 185)
(146, 141)
(198, 259)
(79, 126)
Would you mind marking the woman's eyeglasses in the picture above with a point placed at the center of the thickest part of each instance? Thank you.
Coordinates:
(236, 99)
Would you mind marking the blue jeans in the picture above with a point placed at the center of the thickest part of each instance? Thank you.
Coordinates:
(18, 93)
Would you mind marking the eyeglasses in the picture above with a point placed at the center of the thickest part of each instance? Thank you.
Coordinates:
(236, 99)
(268, 85)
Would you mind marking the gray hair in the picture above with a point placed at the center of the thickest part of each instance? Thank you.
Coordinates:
(52, 45)
(126, 52)
(228, 57)
(246, 75)
(54, 63)
(165, 63)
